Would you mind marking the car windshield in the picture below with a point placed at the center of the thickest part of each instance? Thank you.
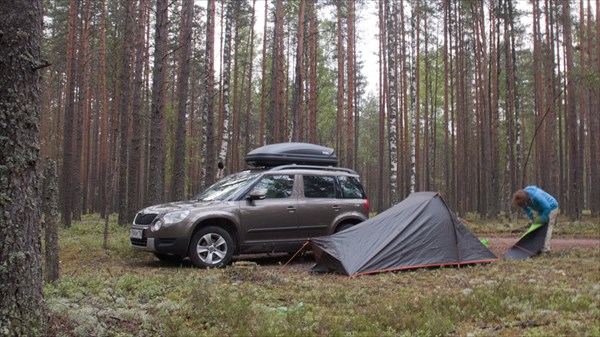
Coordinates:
(225, 187)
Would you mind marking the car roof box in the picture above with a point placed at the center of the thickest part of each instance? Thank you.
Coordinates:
(291, 153)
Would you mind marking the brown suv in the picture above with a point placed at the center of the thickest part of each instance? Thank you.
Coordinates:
(261, 210)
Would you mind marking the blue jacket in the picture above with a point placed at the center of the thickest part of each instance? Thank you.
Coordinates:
(541, 202)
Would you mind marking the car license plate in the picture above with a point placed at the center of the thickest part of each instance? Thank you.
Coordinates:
(135, 233)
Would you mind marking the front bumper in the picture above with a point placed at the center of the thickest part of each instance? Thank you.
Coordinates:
(159, 245)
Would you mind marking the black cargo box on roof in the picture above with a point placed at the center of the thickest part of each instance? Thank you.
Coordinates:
(291, 153)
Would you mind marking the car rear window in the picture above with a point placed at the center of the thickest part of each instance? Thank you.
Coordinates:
(319, 187)
(351, 188)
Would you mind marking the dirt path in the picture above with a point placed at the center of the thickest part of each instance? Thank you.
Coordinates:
(499, 246)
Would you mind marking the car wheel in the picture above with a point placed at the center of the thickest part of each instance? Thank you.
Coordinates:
(169, 258)
(211, 247)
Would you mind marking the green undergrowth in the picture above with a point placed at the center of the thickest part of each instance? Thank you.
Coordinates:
(121, 292)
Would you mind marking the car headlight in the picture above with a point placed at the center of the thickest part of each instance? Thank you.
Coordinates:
(156, 225)
(174, 217)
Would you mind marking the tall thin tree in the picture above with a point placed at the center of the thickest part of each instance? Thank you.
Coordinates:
(209, 99)
(574, 190)
(225, 135)
(139, 115)
(156, 181)
(185, 41)
(350, 79)
(68, 133)
(124, 111)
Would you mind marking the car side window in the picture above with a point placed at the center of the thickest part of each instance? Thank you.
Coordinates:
(351, 188)
(276, 186)
(319, 187)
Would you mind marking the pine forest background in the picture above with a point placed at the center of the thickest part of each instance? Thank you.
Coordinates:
(148, 101)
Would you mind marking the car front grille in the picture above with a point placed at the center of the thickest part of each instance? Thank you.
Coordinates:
(144, 219)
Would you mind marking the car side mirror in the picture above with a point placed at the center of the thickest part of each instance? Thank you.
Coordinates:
(256, 195)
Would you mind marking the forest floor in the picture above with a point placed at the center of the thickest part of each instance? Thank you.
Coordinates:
(123, 292)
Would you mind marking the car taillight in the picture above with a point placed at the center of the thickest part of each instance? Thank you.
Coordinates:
(366, 205)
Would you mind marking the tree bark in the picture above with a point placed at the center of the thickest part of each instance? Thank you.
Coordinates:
(298, 103)
(393, 105)
(313, 80)
(51, 220)
(124, 111)
(276, 122)
(339, 139)
(229, 17)
(68, 133)
(185, 40)
(156, 188)
(139, 115)
(595, 120)
(350, 79)
(21, 306)
(574, 190)
(263, 90)
(250, 78)
(103, 112)
(209, 99)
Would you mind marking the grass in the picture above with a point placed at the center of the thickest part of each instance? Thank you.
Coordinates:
(122, 292)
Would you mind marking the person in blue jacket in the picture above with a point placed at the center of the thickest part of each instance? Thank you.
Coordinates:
(534, 198)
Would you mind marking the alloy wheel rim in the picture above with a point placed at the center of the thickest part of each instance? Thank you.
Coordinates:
(211, 249)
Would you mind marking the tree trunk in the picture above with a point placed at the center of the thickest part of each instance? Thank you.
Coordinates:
(393, 105)
(416, 96)
(551, 173)
(134, 197)
(229, 17)
(382, 104)
(80, 158)
(234, 163)
(21, 306)
(51, 220)
(574, 169)
(103, 112)
(276, 123)
(124, 111)
(447, 163)
(350, 79)
(250, 78)
(494, 197)
(313, 80)
(68, 133)
(185, 40)
(156, 188)
(595, 120)
(340, 85)
(209, 99)
(298, 103)
(263, 90)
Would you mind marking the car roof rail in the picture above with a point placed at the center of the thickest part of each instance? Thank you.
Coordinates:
(311, 167)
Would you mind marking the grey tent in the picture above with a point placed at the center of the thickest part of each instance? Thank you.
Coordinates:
(421, 231)
(529, 244)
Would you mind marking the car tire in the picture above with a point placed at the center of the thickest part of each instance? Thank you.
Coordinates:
(211, 247)
(169, 258)
(343, 227)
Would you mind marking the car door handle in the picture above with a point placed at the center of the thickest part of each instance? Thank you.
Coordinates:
(336, 208)
(291, 209)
